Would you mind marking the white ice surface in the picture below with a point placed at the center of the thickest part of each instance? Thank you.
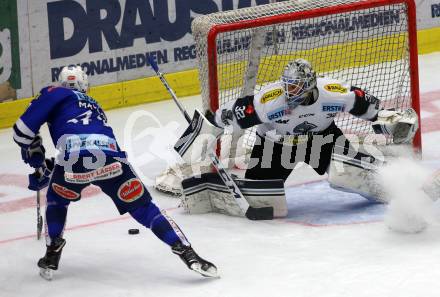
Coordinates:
(296, 256)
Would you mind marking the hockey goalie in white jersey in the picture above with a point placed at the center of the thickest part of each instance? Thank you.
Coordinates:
(295, 123)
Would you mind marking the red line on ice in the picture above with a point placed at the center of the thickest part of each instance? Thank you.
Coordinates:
(30, 201)
(430, 102)
(122, 218)
(68, 229)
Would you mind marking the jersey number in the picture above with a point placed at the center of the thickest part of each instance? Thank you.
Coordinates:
(84, 118)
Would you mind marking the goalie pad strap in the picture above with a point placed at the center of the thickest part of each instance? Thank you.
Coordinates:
(249, 187)
(360, 160)
(356, 174)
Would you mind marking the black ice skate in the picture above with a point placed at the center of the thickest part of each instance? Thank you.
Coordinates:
(193, 261)
(50, 261)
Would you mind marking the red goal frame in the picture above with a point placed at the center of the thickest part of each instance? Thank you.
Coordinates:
(341, 8)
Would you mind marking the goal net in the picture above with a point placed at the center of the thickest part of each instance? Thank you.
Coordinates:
(369, 44)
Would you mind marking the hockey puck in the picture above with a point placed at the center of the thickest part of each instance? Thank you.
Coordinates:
(133, 231)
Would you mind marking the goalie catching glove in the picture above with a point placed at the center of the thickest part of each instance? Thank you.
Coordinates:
(402, 125)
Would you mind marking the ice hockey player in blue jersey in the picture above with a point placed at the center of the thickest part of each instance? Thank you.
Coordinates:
(88, 154)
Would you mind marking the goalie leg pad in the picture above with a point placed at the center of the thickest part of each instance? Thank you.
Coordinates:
(358, 175)
(207, 193)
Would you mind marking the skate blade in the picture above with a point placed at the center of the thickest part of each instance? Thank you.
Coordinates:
(211, 272)
(46, 273)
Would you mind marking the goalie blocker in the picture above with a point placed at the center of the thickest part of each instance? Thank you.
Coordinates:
(198, 139)
(207, 193)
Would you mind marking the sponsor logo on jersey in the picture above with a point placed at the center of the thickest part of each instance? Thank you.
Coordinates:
(336, 88)
(106, 172)
(304, 128)
(90, 142)
(331, 115)
(306, 115)
(64, 192)
(282, 121)
(294, 139)
(131, 190)
(271, 95)
(333, 107)
(277, 113)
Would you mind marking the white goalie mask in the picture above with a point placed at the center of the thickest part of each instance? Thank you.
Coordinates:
(73, 77)
(298, 80)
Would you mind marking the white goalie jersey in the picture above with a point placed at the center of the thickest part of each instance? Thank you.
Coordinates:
(269, 110)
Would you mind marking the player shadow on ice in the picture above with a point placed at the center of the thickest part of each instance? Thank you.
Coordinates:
(104, 272)
(318, 204)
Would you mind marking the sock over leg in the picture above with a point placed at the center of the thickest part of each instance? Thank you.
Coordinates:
(162, 226)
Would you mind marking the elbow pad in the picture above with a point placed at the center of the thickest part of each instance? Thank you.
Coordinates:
(366, 106)
(239, 114)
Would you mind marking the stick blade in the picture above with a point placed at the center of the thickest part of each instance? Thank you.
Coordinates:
(258, 214)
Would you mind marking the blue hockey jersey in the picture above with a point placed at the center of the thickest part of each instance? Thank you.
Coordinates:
(76, 122)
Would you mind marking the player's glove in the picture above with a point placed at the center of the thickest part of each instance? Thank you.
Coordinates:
(402, 125)
(41, 177)
(34, 154)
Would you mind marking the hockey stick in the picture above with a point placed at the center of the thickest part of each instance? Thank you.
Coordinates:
(39, 217)
(264, 213)
(39, 172)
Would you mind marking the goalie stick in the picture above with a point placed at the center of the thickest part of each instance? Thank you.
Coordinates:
(263, 213)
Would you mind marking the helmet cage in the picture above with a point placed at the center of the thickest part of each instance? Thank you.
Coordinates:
(299, 75)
